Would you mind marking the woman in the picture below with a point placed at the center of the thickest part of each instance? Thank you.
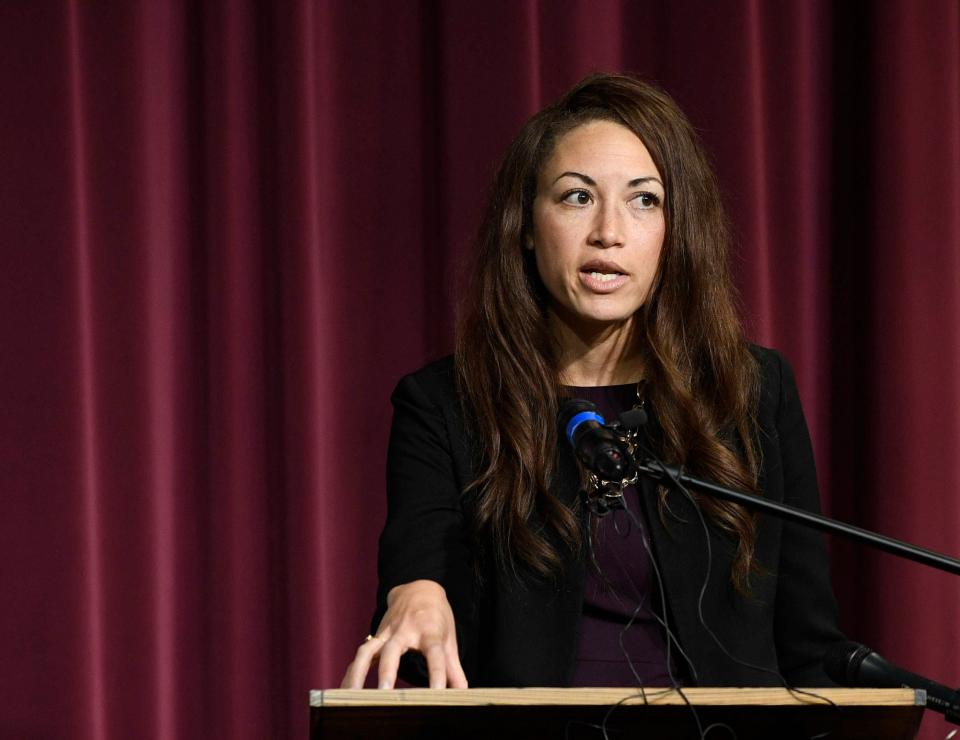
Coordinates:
(601, 273)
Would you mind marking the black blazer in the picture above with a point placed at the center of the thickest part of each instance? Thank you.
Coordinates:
(517, 630)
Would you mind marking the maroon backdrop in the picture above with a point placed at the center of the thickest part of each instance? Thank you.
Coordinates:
(229, 227)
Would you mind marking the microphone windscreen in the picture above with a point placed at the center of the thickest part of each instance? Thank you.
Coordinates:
(633, 419)
(842, 662)
(573, 406)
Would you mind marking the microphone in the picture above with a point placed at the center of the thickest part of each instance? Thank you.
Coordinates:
(595, 444)
(855, 665)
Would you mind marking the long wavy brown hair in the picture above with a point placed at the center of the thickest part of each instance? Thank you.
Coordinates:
(702, 378)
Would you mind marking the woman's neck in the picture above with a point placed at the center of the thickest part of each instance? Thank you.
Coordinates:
(598, 354)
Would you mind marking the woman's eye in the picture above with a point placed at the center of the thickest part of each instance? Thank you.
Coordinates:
(646, 200)
(577, 198)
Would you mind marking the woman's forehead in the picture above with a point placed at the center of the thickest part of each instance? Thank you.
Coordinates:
(599, 148)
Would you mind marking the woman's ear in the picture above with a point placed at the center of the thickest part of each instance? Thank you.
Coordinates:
(528, 242)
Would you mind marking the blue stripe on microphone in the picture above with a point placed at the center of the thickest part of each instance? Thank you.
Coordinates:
(579, 419)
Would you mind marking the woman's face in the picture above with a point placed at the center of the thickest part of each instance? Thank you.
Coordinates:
(598, 225)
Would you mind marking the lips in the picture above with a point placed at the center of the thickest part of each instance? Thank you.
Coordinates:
(604, 267)
(601, 276)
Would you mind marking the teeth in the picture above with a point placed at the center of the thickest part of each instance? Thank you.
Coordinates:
(604, 277)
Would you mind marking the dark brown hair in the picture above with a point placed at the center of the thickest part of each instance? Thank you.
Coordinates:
(702, 378)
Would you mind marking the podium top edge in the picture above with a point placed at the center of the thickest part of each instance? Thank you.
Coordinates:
(703, 696)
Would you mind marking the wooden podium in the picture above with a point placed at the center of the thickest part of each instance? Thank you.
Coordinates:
(566, 714)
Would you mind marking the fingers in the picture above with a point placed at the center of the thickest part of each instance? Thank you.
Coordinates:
(355, 675)
(436, 665)
(456, 678)
(443, 664)
(389, 664)
(357, 671)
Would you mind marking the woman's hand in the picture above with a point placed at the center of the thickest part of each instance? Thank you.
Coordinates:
(418, 617)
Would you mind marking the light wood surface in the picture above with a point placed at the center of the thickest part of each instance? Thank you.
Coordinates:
(590, 714)
(602, 697)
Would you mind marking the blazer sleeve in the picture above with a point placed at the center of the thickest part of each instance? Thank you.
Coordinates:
(806, 610)
(425, 535)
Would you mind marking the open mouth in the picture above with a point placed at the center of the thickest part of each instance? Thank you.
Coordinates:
(598, 269)
(603, 277)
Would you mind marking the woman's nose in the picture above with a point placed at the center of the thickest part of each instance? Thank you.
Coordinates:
(607, 228)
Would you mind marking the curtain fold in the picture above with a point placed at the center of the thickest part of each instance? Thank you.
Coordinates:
(230, 227)
(913, 419)
(90, 658)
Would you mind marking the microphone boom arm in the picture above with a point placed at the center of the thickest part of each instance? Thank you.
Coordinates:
(671, 474)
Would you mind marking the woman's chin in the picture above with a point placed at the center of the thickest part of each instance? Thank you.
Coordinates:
(594, 322)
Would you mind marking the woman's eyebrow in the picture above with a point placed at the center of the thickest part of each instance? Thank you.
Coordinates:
(586, 178)
(590, 181)
(641, 180)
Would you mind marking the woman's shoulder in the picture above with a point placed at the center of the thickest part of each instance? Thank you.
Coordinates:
(428, 399)
(776, 379)
(435, 382)
(769, 360)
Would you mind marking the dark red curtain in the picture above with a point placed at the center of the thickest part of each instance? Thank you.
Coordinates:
(229, 227)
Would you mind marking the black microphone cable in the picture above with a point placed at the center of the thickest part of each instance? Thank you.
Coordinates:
(601, 451)
(671, 639)
(599, 431)
(674, 478)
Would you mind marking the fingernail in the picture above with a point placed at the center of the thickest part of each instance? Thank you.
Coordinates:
(384, 685)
